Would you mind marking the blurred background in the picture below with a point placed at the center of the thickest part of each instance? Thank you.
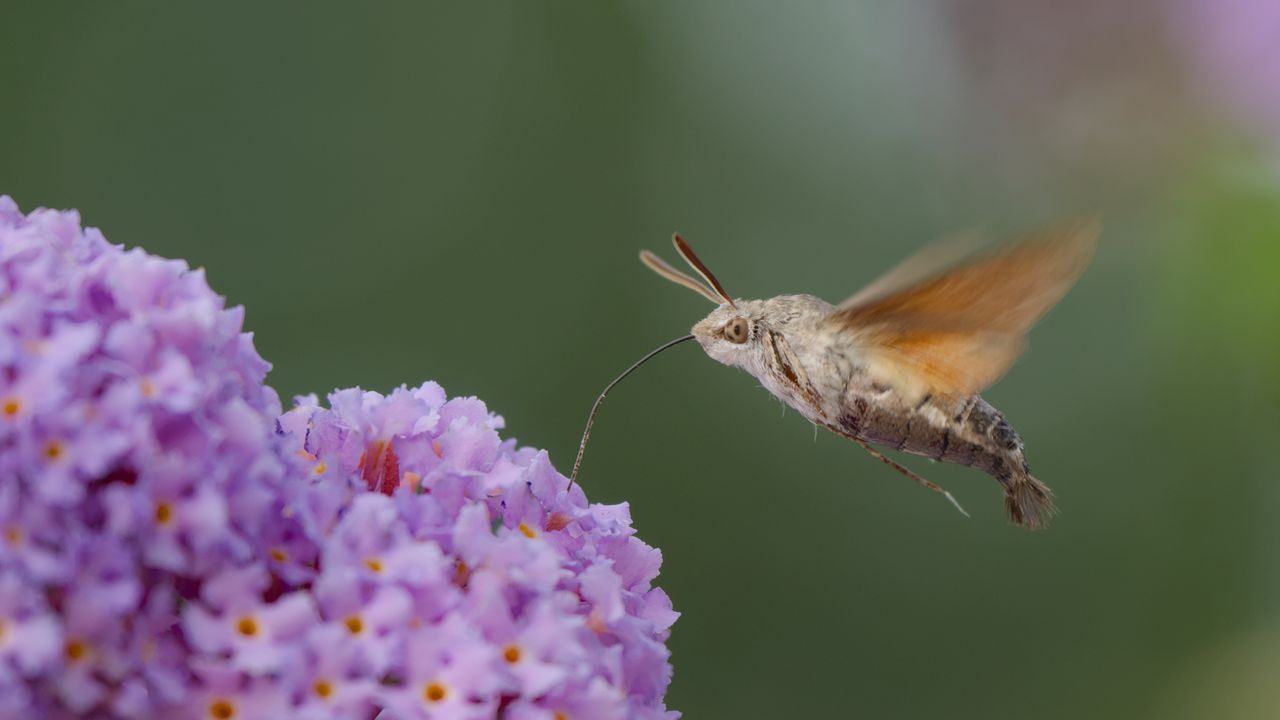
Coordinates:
(408, 192)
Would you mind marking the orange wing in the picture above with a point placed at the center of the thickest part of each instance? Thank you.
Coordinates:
(953, 333)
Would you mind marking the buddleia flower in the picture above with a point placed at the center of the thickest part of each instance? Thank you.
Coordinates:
(172, 545)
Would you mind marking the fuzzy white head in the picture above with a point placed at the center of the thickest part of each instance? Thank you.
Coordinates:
(730, 334)
(781, 341)
(748, 333)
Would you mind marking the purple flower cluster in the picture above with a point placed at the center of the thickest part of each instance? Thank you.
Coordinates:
(170, 544)
(480, 583)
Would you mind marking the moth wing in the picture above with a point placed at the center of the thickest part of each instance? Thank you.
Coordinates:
(952, 333)
(926, 263)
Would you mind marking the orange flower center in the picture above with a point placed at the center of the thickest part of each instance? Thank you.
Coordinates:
(528, 531)
(278, 554)
(164, 513)
(511, 654)
(222, 710)
(247, 626)
(461, 574)
(596, 623)
(323, 688)
(354, 624)
(75, 650)
(373, 564)
(434, 692)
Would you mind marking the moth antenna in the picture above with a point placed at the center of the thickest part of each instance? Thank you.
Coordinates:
(932, 486)
(660, 266)
(591, 418)
(690, 257)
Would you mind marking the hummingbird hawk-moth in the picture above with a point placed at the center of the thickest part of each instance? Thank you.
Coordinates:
(901, 363)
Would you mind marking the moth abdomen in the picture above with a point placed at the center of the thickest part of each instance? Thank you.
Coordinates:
(977, 437)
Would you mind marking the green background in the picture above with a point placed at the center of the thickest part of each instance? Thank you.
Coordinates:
(408, 192)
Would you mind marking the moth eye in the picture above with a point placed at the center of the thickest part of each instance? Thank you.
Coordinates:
(737, 331)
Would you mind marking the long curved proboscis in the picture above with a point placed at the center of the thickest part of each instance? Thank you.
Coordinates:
(595, 408)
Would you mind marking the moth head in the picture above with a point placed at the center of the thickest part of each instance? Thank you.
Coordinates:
(729, 334)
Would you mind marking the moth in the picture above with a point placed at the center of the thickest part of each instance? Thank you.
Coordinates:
(901, 363)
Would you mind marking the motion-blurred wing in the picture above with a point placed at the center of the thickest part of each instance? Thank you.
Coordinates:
(953, 332)
(924, 265)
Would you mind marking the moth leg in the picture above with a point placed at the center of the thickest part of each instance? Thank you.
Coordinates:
(919, 480)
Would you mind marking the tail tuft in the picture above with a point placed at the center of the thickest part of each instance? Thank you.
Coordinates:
(1029, 501)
